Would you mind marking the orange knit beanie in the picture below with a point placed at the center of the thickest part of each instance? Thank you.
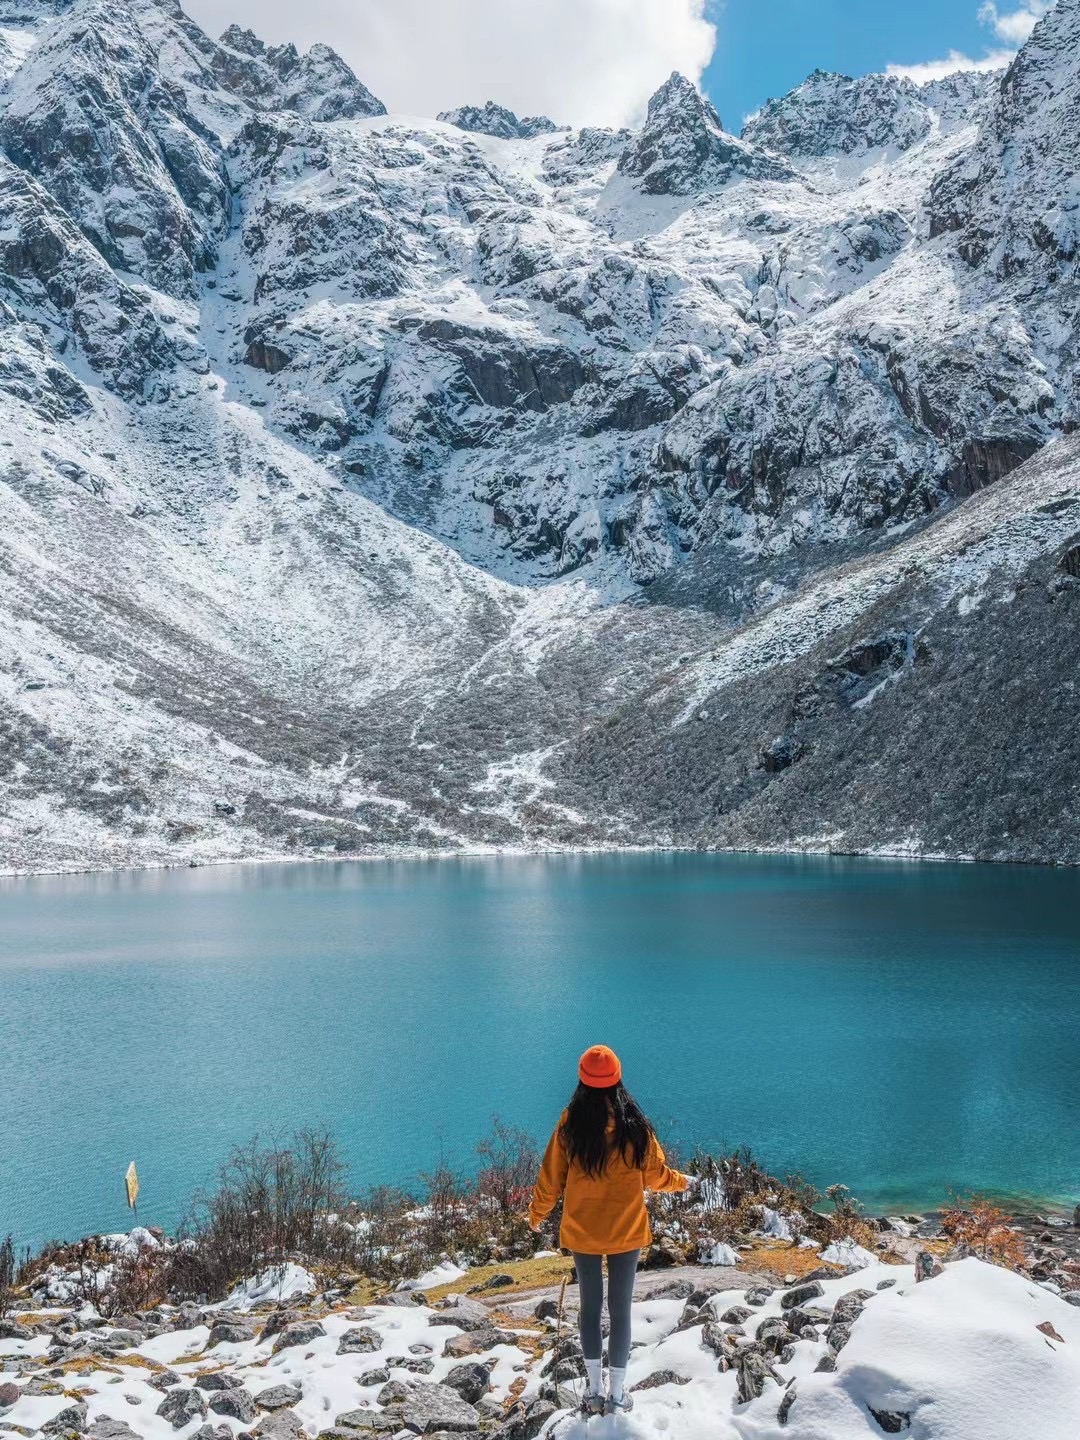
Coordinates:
(599, 1067)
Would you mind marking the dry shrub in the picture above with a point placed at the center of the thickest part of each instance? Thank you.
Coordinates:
(7, 1274)
(510, 1165)
(982, 1229)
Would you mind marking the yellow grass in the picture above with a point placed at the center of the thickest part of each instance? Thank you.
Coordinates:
(528, 1275)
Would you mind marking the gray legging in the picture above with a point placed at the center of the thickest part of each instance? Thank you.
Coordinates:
(621, 1270)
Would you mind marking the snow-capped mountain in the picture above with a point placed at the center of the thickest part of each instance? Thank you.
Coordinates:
(376, 480)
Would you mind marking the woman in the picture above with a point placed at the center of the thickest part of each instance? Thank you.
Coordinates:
(602, 1158)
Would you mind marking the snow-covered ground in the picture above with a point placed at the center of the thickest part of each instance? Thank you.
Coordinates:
(974, 1353)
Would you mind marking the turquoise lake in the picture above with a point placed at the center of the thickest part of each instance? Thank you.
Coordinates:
(902, 1028)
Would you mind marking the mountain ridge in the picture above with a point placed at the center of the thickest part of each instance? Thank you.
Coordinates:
(453, 443)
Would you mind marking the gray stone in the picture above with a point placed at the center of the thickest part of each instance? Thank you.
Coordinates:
(465, 1313)
(546, 1309)
(736, 1314)
(106, 1428)
(785, 1404)
(213, 1432)
(230, 1332)
(9, 1393)
(838, 1336)
(927, 1265)
(827, 1362)
(216, 1380)
(277, 1397)
(460, 1347)
(471, 1381)
(801, 1294)
(299, 1334)
(753, 1371)
(758, 1295)
(658, 1378)
(1071, 1297)
(850, 1306)
(235, 1402)
(524, 1422)
(181, 1406)
(366, 1419)
(360, 1340)
(69, 1421)
(773, 1334)
(278, 1425)
(429, 1407)
(164, 1379)
(374, 1377)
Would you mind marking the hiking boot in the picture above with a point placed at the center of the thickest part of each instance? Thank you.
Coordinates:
(592, 1405)
(619, 1407)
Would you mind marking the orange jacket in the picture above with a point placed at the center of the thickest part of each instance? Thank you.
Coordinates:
(605, 1214)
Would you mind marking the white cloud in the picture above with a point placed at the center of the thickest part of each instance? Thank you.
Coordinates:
(578, 61)
(1014, 26)
(954, 61)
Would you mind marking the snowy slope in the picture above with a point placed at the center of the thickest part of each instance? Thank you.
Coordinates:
(363, 474)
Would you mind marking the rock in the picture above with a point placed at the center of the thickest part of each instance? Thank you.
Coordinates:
(801, 1294)
(231, 1332)
(680, 1289)
(427, 1407)
(498, 1282)
(465, 1313)
(753, 1371)
(9, 1393)
(69, 1421)
(278, 1320)
(524, 1422)
(278, 1397)
(758, 1295)
(838, 1336)
(546, 1309)
(124, 1339)
(213, 1432)
(1071, 1297)
(891, 1421)
(421, 1348)
(12, 1330)
(471, 1382)
(360, 1340)
(216, 1380)
(773, 1335)
(188, 1316)
(278, 1425)
(658, 1378)
(850, 1306)
(460, 1347)
(826, 1363)
(735, 1315)
(785, 1404)
(415, 1364)
(1047, 1328)
(885, 1284)
(235, 1402)
(927, 1265)
(378, 1376)
(662, 1254)
(181, 1406)
(299, 1334)
(365, 1419)
(164, 1379)
(108, 1429)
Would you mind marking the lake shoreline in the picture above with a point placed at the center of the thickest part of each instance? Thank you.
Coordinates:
(480, 852)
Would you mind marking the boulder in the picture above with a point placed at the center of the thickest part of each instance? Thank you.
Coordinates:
(827, 1362)
(302, 1333)
(759, 1294)
(427, 1407)
(277, 1397)
(466, 1314)
(471, 1381)
(181, 1406)
(801, 1294)
(460, 1347)
(231, 1332)
(69, 1421)
(278, 1320)
(850, 1306)
(278, 1425)
(359, 1340)
(378, 1376)
(546, 1309)
(164, 1379)
(773, 1335)
(368, 1421)
(753, 1371)
(735, 1315)
(9, 1393)
(216, 1380)
(838, 1336)
(235, 1402)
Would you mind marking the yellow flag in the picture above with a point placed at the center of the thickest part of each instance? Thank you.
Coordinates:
(131, 1181)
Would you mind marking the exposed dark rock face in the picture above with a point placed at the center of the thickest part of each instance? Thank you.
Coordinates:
(684, 148)
(318, 85)
(496, 120)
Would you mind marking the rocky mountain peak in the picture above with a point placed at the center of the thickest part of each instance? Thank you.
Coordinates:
(318, 85)
(497, 120)
(683, 147)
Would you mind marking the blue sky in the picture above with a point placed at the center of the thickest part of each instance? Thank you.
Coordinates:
(765, 47)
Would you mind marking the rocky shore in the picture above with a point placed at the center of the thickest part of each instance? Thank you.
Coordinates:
(773, 1334)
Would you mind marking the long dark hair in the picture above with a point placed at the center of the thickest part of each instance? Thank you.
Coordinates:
(584, 1131)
